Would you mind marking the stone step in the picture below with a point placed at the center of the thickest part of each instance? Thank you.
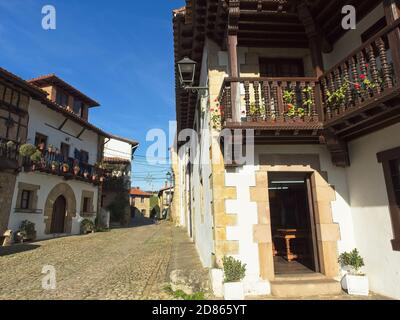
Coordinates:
(291, 288)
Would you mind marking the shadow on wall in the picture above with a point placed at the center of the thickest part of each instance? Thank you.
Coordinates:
(18, 248)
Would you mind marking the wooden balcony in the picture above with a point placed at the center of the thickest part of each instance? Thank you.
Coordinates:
(52, 163)
(275, 107)
(356, 96)
(362, 92)
(8, 156)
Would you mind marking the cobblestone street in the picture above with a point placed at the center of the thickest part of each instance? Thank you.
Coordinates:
(128, 263)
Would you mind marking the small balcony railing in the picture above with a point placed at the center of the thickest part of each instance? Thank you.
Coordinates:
(363, 77)
(270, 101)
(54, 163)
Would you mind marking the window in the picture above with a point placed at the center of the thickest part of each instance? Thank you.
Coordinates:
(374, 29)
(277, 67)
(78, 105)
(64, 151)
(61, 98)
(395, 175)
(84, 157)
(390, 160)
(40, 141)
(25, 199)
(86, 204)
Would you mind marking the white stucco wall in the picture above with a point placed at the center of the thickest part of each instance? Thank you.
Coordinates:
(40, 117)
(47, 182)
(246, 210)
(45, 121)
(371, 216)
(118, 149)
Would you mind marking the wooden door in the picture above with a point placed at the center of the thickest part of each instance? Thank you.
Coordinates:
(59, 213)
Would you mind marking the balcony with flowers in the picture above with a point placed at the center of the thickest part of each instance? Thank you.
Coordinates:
(51, 161)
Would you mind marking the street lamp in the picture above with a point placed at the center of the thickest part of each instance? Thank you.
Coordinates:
(187, 72)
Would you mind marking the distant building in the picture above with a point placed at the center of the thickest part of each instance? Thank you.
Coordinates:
(140, 200)
(118, 155)
(165, 199)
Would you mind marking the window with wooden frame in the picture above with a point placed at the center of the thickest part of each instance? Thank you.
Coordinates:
(61, 98)
(87, 205)
(25, 199)
(40, 141)
(374, 29)
(390, 160)
(281, 67)
(64, 150)
(84, 157)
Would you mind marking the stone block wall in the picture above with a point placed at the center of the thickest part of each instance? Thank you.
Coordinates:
(7, 185)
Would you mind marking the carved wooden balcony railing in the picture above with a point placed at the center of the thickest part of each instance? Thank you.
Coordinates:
(363, 88)
(270, 102)
(360, 93)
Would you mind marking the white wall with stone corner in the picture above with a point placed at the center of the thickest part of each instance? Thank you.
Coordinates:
(217, 282)
(370, 210)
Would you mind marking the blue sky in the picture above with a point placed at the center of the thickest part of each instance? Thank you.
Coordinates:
(118, 52)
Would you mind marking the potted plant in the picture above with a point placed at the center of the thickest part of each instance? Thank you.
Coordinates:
(41, 146)
(26, 150)
(234, 273)
(94, 177)
(77, 169)
(28, 231)
(36, 157)
(87, 226)
(86, 174)
(10, 144)
(55, 165)
(65, 167)
(354, 282)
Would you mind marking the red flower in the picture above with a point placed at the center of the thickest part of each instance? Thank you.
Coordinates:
(362, 77)
(357, 86)
(290, 106)
(367, 65)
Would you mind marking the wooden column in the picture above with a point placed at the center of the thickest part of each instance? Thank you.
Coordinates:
(315, 43)
(232, 41)
(392, 13)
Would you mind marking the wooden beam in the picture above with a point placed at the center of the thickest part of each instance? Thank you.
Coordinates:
(314, 37)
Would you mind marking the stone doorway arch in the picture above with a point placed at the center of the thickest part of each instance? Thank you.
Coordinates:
(66, 191)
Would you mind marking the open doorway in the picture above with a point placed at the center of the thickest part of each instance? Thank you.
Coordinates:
(293, 223)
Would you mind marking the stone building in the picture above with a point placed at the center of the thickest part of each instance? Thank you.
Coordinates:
(315, 109)
(140, 201)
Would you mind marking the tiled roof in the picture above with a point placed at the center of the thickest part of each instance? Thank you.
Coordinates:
(138, 192)
(130, 141)
(35, 91)
(49, 79)
(116, 160)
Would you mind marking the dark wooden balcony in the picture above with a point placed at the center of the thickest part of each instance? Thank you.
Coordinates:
(362, 92)
(8, 156)
(52, 163)
(359, 94)
(274, 107)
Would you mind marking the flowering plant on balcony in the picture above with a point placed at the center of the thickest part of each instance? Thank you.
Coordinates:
(293, 110)
(217, 113)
